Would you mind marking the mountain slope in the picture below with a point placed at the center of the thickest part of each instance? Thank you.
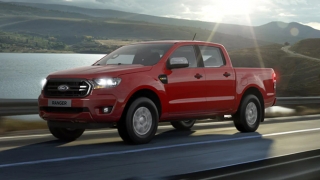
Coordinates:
(8, 9)
(296, 76)
(308, 47)
(272, 32)
(63, 28)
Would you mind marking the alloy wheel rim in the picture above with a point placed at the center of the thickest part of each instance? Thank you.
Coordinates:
(251, 113)
(142, 121)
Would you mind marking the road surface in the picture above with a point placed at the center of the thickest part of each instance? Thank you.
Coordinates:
(102, 155)
(286, 49)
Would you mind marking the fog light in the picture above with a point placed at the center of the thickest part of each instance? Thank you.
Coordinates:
(106, 110)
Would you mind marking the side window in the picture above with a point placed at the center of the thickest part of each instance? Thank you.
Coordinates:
(187, 52)
(211, 56)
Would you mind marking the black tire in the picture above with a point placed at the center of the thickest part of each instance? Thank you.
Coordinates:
(248, 123)
(129, 132)
(122, 131)
(183, 125)
(65, 134)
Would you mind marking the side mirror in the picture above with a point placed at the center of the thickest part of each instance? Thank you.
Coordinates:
(177, 62)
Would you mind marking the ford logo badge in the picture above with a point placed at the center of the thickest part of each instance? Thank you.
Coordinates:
(63, 88)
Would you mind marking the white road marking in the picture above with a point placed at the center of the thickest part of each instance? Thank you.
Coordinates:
(102, 131)
(160, 127)
(152, 148)
(45, 135)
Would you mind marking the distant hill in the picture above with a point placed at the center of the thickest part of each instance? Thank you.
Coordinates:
(8, 9)
(70, 28)
(277, 32)
(296, 76)
(308, 47)
(64, 28)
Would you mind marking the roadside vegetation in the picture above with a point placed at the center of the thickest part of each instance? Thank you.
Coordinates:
(9, 125)
(15, 42)
(308, 47)
(296, 76)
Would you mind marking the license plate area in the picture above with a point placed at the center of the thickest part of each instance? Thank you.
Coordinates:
(59, 103)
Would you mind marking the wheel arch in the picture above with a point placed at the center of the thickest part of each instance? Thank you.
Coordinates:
(254, 91)
(145, 92)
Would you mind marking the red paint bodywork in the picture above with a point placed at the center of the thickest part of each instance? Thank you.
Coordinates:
(183, 97)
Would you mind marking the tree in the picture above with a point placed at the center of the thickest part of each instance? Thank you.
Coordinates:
(286, 44)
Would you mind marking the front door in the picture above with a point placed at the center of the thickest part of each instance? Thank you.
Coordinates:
(186, 86)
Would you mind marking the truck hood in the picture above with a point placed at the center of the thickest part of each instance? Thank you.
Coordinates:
(95, 71)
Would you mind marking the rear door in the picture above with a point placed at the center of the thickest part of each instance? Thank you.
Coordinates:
(220, 78)
(186, 86)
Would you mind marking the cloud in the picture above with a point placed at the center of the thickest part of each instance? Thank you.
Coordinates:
(291, 2)
(287, 14)
(315, 25)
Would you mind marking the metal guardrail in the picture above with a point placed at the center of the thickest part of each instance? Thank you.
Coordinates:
(10, 107)
(281, 101)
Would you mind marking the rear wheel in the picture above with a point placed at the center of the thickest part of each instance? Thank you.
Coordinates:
(66, 134)
(183, 125)
(249, 114)
(140, 123)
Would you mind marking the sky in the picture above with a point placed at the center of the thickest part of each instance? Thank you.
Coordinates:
(243, 12)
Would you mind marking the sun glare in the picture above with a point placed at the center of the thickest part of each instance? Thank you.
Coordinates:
(237, 7)
(217, 10)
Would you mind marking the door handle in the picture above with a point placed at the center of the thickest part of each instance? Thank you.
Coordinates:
(198, 76)
(226, 74)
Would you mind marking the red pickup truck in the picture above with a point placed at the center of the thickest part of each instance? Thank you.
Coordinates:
(139, 85)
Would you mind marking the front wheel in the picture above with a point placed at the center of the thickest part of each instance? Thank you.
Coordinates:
(183, 125)
(249, 114)
(66, 134)
(140, 123)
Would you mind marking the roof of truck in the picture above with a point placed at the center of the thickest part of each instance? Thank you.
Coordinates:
(175, 42)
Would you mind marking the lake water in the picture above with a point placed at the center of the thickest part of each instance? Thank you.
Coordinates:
(21, 73)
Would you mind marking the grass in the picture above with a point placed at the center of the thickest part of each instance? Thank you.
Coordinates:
(115, 42)
(308, 47)
(296, 76)
(9, 125)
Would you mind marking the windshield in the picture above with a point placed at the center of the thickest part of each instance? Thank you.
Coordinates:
(144, 54)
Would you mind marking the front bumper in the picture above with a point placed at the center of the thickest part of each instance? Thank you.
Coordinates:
(82, 110)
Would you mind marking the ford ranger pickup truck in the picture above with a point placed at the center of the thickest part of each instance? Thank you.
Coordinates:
(139, 85)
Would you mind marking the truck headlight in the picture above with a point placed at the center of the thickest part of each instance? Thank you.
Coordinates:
(106, 82)
(43, 83)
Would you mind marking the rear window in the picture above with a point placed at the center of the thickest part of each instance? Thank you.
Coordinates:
(144, 54)
(211, 56)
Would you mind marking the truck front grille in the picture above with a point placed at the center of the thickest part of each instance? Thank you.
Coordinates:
(67, 88)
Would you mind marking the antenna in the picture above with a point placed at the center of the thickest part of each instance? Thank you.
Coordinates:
(194, 36)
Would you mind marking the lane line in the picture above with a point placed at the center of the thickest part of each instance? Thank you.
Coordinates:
(45, 135)
(152, 148)
(160, 127)
(105, 131)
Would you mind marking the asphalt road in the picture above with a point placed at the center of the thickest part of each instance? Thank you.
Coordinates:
(102, 154)
(286, 49)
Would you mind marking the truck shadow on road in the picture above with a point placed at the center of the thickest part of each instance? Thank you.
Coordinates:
(171, 152)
